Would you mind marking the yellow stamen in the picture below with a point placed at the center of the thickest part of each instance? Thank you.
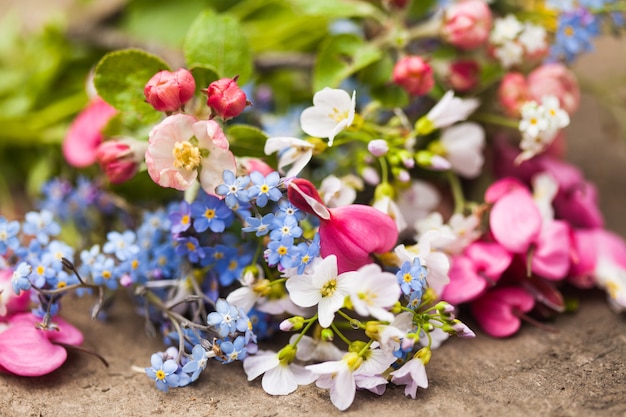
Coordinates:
(186, 155)
(329, 288)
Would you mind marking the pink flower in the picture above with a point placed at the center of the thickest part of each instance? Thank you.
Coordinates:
(589, 246)
(480, 266)
(556, 80)
(467, 24)
(84, 135)
(498, 311)
(120, 159)
(175, 160)
(225, 98)
(9, 301)
(352, 232)
(28, 351)
(169, 91)
(414, 74)
(512, 93)
(463, 75)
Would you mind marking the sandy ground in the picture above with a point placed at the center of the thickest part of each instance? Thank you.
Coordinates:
(580, 371)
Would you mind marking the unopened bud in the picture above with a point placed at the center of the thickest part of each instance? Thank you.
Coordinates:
(414, 74)
(120, 159)
(327, 335)
(225, 98)
(293, 323)
(378, 147)
(169, 91)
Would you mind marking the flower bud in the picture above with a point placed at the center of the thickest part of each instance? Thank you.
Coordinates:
(169, 91)
(225, 98)
(378, 147)
(464, 75)
(327, 335)
(467, 24)
(120, 159)
(556, 80)
(512, 93)
(293, 323)
(414, 74)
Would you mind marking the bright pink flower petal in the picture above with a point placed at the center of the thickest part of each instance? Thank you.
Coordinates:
(465, 284)
(489, 258)
(551, 258)
(497, 311)
(588, 246)
(84, 135)
(502, 187)
(515, 220)
(26, 351)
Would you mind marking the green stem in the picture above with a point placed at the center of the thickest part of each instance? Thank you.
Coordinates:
(305, 330)
(457, 192)
(495, 119)
(341, 336)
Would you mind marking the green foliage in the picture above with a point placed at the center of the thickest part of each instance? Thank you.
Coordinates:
(216, 42)
(340, 57)
(121, 76)
(246, 140)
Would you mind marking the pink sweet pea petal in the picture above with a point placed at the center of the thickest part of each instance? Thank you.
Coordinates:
(497, 310)
(515, 220)
(26, 351)
(579, 205)
(502, 187)
(465, 283)
(489, 258)
(551, 258)
(84, 135)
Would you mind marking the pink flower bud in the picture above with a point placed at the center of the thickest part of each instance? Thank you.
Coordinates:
(225, 98)
(414, 74)
(464, 75)
(120, 159)
(512, 93)
(467, 24)
(378, 147)
(169, 91)
(555, 79)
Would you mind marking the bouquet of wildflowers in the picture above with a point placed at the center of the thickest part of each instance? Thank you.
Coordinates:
(346, 184)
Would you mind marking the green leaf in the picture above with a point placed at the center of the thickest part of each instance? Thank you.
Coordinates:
(203, 76)
(340, 57)
(390, 96)
(216, 42)
(121, 76)
(246, 140)
(335, 8)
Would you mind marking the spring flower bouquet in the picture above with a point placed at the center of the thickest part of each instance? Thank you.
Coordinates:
(312, 187)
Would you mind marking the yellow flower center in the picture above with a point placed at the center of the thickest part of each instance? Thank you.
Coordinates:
(569, 31)
(160, 375)
(338, 115)
(134, 264)
(407, 277)
(329, 288)
(106, 274)
(265, 189)
(282, 250)
(185, 219)
(612, 288)
(40, 270)
(209, 213)
(232, 265)
(186, 155)
(61, 284)
(191, 246)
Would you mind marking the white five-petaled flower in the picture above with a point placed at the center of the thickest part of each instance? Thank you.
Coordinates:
(463, 145)
(323, 287)
(451, 109)
(291, 151)
(505, 29)
(332, 112)
(373, 292)
(280, 377)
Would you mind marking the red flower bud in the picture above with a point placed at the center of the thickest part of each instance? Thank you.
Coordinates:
(414, 74)
(169, 91)
(120, 159)
(225, 98)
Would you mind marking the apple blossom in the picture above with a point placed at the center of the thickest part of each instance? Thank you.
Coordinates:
(225, 98)
(414, 74)
(168, 91)
(332, 111)
(467, 24)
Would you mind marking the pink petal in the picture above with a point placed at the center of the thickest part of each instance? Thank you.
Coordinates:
(465, 284)
(66, 333)
(515, 220)
(579, 205)
(502, 187)
(551, 258)
(496, 310)
(354, 232)
(26, 351)
(489, 258)
(83, 136)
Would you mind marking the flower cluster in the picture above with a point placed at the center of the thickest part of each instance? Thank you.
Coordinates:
(356, 223)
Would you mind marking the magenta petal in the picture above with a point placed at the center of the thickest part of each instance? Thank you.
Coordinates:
(354, 232)
(515, 220)
(490, 258)
(496, 310)
(500, 188)
(25, 350)
(585, 257)
(465, 284)
(579, 205)
(66, 333)
(551, 258)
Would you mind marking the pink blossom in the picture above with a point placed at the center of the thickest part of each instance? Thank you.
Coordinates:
(169, 91)
(28, 351)
(512, 93)
(175, 160)
(225, 98)
(84, 135)
(589, 245)
(120, 159)
(414, 74)
(352, 232)
(480, 266)
(255, 164)
(467, 24)
(557, 80)
(498, 311)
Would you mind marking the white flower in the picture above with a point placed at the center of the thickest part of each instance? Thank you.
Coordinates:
(323, 287)
(505, 29)
(280, 378)
(373, 291)
(437, 262)
(533, 38)
(612, 278)
(413, 375)
(291, 151)
(332, 111)
(545, 189)
(390, 335)
(417, 201)
(451, 109)
(453, 237)
(310, 349)
(556, 116)
(463, 145)
(337, 192)
(509, 54)
(539, 125)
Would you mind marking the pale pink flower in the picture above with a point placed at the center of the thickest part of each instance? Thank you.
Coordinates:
(512, 93)
(181, 149)
(557, 80)
(463, 146)
(467, 24)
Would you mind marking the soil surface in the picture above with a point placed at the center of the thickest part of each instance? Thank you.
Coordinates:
(579, 371)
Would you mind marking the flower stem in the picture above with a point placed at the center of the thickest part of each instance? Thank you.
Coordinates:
(494, 119)
(457, 192)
